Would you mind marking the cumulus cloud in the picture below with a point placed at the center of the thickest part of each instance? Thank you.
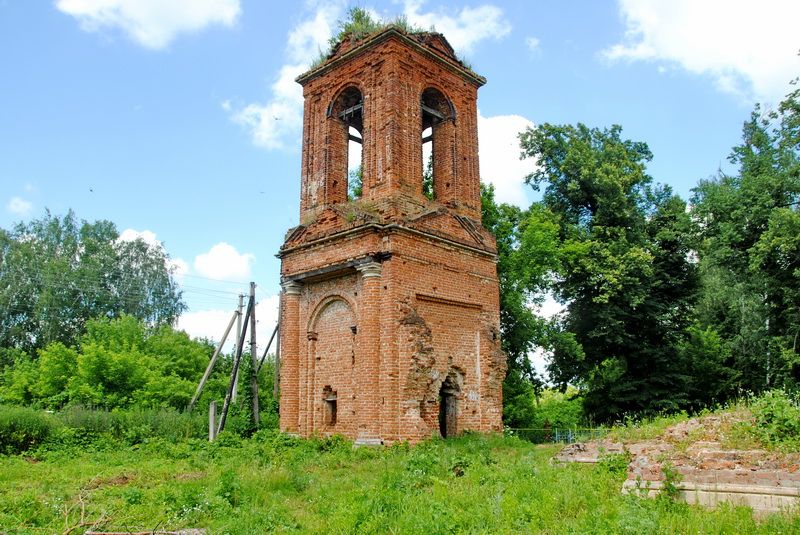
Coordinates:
(277, 123)
(211, 323)
(467, 28)
(223, 261)
(499, 157)
(19, 207)
(749, 49)
(148, 236)
(152, 24)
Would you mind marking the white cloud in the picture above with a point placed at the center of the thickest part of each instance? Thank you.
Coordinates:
(205, 323)
(534, 45)
(223, 261)
(278, 122)
(211, 324)
(748, 48)
(179, 266)
(470, 26)
(19, 207)
(148, 236)
(153, 24)
(499, 157)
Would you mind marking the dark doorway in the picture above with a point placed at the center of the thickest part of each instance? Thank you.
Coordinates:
(448, 408)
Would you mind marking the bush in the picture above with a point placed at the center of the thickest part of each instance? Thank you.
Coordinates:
(136, 425)
(22, 429)
(777, 416)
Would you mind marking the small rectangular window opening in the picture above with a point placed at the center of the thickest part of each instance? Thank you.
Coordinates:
(329, 397)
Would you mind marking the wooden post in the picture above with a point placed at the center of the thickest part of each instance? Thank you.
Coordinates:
(211, 364)
(212, 421)
(266, 349)
(238, 333)
(276, 378)
(254, 356)
(236, 360)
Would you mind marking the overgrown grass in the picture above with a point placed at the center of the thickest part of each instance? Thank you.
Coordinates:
(275, 483)
(89, 469)
(769, 420)
(633, 429)
(23, 429)
(777, 419)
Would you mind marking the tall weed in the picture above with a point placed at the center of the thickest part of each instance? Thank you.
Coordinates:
(22, 429)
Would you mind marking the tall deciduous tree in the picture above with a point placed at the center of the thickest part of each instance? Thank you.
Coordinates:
(750, 252)
(625, 275)
(56, 273)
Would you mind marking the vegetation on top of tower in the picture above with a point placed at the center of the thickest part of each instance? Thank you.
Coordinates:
(360, 24)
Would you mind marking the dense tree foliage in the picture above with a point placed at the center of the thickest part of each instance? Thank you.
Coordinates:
(527, 243)
(666, 307)
(750, 253)
(57, 273)
(623, 272)
(118, 363)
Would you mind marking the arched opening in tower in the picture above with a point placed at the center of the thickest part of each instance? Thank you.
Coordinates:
(437, 143)
(349, 109)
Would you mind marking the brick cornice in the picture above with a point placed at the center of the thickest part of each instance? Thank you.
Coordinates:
(391, 227)
(390, 33)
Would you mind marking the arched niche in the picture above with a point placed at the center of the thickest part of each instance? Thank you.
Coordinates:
(331, 335)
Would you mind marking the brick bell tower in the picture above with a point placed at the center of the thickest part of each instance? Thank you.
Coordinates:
(390, 304)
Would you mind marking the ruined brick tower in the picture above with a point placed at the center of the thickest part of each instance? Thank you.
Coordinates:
(390, 306)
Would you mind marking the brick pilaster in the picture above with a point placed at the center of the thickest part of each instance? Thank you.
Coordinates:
(290, 356)
(368, 363)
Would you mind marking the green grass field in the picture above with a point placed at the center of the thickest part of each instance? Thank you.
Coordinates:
(273, 483)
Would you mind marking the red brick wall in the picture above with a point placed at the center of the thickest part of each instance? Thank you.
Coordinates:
(391, 75)
(418, 284)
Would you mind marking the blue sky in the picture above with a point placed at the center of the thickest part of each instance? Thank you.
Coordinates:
(179, 120)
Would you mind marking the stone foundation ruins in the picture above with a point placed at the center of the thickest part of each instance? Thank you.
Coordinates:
(703, 472)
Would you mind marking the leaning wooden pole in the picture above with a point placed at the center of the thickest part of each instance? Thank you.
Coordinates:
(276, 376)
(211, 364)
(254, 357)
(266, 349)
(238, 332)
(236, 360)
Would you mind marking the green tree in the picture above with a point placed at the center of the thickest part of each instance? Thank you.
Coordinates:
(749, 250)
(57, 273)
(624, 273)
(355, 184)
(526, 245)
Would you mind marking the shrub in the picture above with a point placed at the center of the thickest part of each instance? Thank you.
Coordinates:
(22, 429)
(777, 416)
(135, 425)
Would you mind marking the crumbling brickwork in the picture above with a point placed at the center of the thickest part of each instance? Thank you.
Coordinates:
(390, 309)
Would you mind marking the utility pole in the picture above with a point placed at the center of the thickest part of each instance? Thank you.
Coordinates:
(254, 356)
(238, 334)
(213, 361)
(276, 376)
(236, 360)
